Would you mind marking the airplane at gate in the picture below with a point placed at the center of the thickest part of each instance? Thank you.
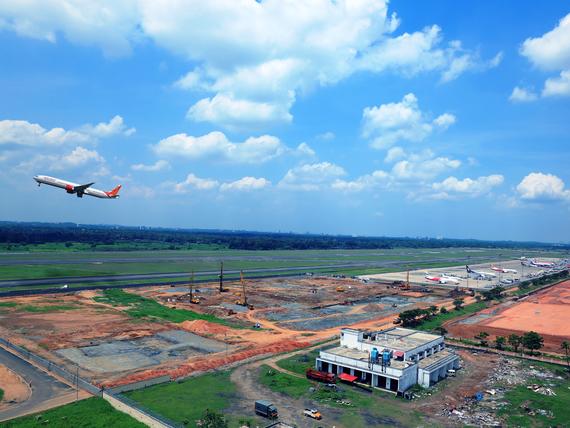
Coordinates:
(479, 274)
(443, 279)
(503, 270)
(78, 189)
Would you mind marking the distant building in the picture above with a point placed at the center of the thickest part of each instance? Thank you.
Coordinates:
(394, 359)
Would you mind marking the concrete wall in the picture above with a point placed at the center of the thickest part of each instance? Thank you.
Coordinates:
(351, 338)
(133, 412)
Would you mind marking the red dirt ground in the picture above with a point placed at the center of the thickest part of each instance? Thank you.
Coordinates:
(546, 312)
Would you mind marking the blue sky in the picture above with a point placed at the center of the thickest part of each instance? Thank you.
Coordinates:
(356, 117)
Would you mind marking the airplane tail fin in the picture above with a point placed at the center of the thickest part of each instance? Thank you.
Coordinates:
(115, 192)
(468, 268)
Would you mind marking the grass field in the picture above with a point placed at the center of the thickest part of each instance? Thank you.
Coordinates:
(185, 401)
(89, 413)
(548, 411)
(365, 409)
(1, 394)
(299, 363)
(439, 319)
(141, 307)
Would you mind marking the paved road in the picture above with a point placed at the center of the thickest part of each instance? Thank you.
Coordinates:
(44, 387)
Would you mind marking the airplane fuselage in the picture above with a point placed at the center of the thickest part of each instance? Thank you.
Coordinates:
(72, 188)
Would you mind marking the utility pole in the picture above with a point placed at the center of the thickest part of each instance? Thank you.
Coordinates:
(76, 383)
(221, 277)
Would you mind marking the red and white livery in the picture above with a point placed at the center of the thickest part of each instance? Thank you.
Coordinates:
(443, 279)
(77, 189)
(503, 270)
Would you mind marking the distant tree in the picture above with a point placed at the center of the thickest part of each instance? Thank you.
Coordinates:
(494, 293)
(515, 341)
(433, 310)
(443, 310)
(411, 317)
(211, 419)
(458, 303)
(500, 342)
(565, 345)
(482, 336)
(441, 330)
(532, 341)
(478, 298)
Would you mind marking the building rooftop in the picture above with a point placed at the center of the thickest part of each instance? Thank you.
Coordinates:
(403, 339)
(363, 356)
(435, 360)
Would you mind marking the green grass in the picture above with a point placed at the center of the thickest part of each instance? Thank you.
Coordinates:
(92, 413)
(142, 307)
(185, 401)
(299, 363)
(521, 397)
(8, 304)
(283, 383)
(1, 394)
(383, 408)
(439, 319)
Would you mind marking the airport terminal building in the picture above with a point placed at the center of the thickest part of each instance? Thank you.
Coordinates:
(394, 359)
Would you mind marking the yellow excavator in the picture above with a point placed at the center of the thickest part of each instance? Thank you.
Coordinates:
(193, 299)
(243, 300)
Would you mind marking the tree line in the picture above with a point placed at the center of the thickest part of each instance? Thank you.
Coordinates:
(94, 235)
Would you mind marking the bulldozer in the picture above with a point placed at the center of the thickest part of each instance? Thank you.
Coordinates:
(243, 300)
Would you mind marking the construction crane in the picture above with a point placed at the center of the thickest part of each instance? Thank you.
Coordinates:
(243, 300)
(221, 276)
(193, 299)
(407, 284)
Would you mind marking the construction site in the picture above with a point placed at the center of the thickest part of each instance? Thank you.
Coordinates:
(236, 320)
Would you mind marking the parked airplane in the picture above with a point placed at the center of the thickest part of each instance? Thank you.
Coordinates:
(503, 270)
(480, 275)
(442, 279)
(534, 263)
(78, 189)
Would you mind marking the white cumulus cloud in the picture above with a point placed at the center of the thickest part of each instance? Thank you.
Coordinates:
(216, 145)
(159, 165)
(193, 182)
(453, 187)
(540, 187)
(246, 183)
(522, 95)
(24, 133)
(551, 52)
(311, 176)
(390, 123)
(557, 86)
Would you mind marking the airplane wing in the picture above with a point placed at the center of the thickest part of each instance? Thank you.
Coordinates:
(81, 188)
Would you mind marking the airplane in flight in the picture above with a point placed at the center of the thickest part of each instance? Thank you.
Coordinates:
(503, 270)
(443, 279)
(78, 189)
(480, 275)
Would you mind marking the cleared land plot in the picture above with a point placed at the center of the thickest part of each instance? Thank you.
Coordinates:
(546, 312)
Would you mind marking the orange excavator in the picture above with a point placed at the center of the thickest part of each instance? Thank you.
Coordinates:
(193, 299)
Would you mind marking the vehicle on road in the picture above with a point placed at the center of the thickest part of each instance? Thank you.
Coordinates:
(313, 413)
(266, 409)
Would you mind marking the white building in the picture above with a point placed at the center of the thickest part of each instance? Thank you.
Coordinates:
(394, 359)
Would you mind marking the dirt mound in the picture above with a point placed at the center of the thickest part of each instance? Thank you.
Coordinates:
(201, 327)
(211, 362)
